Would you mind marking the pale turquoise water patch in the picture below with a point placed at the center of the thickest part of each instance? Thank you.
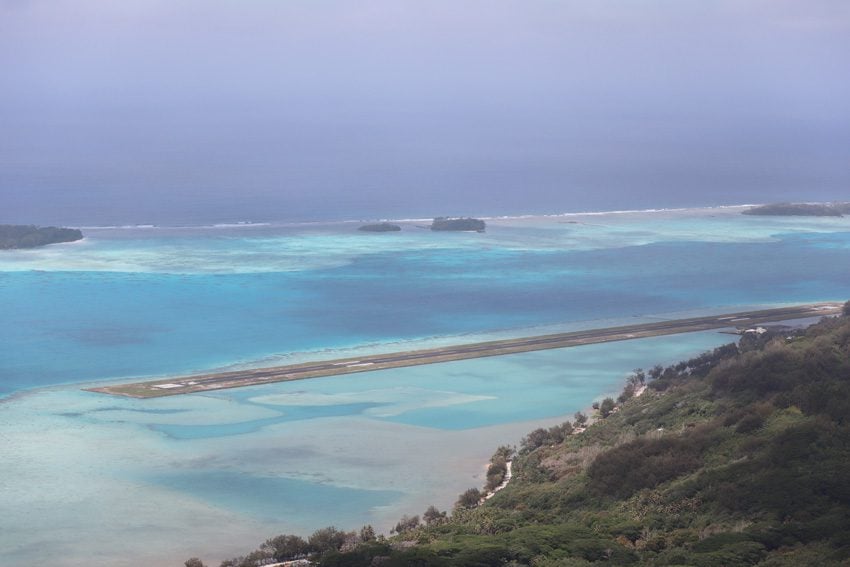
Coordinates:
(178, 431)
(269, 498)
(219, 472)
(488, 391)
(81, 323)
(83, 472)
(170, 306)
(282, 248)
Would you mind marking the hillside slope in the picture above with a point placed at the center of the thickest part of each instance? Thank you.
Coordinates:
(738, 457)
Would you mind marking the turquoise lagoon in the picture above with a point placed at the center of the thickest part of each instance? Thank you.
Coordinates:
(88, 478)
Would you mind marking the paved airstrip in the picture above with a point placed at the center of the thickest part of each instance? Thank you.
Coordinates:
(221, 380)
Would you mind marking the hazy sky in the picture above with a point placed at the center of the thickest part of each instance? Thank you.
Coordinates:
(293, 109)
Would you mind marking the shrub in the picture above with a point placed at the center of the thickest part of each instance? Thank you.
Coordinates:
(749, 423)
(433, 516)
(606, 407)
(469, 499)
(642, 463)
(405, 524)
(326, 539)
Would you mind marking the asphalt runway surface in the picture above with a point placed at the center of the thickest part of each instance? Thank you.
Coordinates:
(235, 379)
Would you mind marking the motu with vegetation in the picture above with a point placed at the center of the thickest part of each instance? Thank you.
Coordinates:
(801, 210)
(380, 227)
(28, 236)
(462, 224)
(739, 456)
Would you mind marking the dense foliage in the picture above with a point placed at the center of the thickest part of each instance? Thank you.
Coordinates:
(380, 227)
(801, 209)
(461, 224)
(27, 236)
(740, 456)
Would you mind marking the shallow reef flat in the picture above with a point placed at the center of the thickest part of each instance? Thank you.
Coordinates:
(83, 471)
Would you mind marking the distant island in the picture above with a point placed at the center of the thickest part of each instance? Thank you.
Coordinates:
(458, 224)
(29, 236)
(800, 210)
(380, 227)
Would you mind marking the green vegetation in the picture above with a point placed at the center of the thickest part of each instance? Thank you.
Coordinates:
(740, 456)
(469, 499)
(801, 209)
(462, 224)
(27, 236)
(380, 227)
(497, 470)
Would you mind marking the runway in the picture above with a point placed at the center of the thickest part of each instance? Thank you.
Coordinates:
(217, 381)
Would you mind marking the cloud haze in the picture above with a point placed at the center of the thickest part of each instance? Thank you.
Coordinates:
(278, 108)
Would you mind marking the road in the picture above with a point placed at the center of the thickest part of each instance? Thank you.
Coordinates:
(222, 380)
